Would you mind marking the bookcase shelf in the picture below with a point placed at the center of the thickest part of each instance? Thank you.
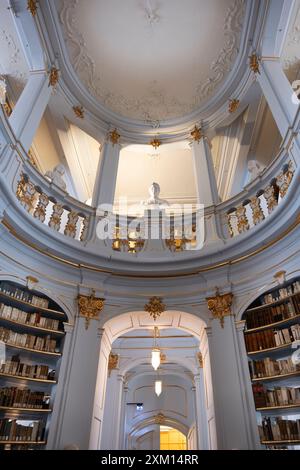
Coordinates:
(276, 377)
(25, 410)
(288, 321)
(271, 304)
(28, 379)
(24, 443)
(277, 350)
(26, 327)
(279, 408)
(21, 423)
(281, 443)
(268, 323)
(35, 351)
(28, 307)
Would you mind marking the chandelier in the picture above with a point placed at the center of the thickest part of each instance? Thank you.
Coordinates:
(155, 354)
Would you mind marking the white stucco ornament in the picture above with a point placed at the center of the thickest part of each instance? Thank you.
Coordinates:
(56, 176)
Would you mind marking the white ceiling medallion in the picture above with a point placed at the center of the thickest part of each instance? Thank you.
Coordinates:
(203, 56)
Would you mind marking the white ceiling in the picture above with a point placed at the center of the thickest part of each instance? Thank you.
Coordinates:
(152, 59)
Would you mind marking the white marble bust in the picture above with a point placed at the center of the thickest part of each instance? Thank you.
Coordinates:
(56, 176)
(255, 168)
(154, 201)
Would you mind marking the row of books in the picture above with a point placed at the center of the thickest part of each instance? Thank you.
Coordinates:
(282, 293)
(270, 315)
(14, 397)
(271, 338)
(32, 319)
(269, 367)
(16, 430)
(278, 429)
(19, 294)
(279, 396)
(38, 343)
(32, 371)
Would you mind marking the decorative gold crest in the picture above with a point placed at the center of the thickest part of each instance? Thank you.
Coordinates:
(156, 143)
(200, 360)
(113, 362)
(220, 306)
(254, 63)
(155, 307)
(90, 307)
(196, 134)
(233, 105)
(32, 6)
(160, 419)
(53, 77)
(79, 111)
(114, 137)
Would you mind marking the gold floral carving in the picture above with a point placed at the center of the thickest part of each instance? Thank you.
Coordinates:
(113, 362)
(242, 221)
(200, 360)
(114, 137)
(32, 6)
(155, 307)
(79, 111)
(233, 105)
(254, 63)
(257, 212)
(160, 419)
(90, 307)
(156, 143)
(220, 306)
(53, 77)
(271, 199)
(196, 134)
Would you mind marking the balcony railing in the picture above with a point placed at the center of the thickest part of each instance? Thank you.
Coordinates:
(72, 220)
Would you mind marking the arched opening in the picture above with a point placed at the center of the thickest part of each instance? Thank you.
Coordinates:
(126, 406)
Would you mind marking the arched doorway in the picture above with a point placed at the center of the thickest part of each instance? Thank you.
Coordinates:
(184, 372)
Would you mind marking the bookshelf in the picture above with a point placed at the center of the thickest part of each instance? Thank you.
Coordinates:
(32, 335)
(272, 326)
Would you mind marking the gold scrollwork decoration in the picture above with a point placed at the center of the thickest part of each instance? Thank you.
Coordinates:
(32, 6)
(53, 77)
(113, 362)
(196, 134)
(90, 307)
(254, 63)
(156, 143)
(233, 105)
(220, 306)
(79, 111)
(114, 137)
(155, 307)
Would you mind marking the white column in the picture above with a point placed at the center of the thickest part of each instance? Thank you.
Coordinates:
(278, 93)
(61, 394)
(100, 390)
(205, 174)
(82, 365)
(110, 439)
(232, 419)
(28, 112)
(249, 399)
(122, 435)
(106, 178)
(202, 422)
